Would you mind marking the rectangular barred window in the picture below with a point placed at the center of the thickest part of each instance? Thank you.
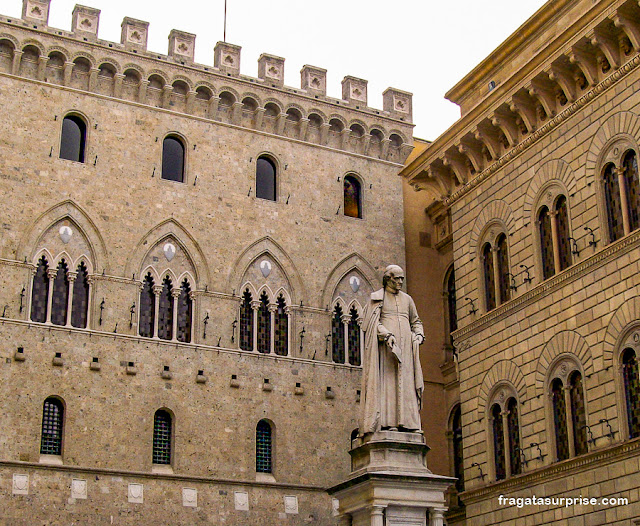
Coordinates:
(52, 418)
(162, 438)
(263, 447)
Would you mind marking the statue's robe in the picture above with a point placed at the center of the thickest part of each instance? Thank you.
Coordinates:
(392, 381)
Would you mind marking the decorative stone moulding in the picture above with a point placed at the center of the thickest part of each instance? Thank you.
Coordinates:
(398, 103)
(181, 45)
(84, 23)
(354, 90)
(20, 484)
(313, 80)
(271, 70)
(241, 500)
(36, 11)
(226, 57)
(190, 497)
(291, 504)
(135, 493)
(134, 34)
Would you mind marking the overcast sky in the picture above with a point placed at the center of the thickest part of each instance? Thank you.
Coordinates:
(421, 46)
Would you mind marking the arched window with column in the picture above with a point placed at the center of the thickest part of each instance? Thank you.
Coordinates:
(264, 324)
(60, 298)
(631, 383)
(52, 427)
(337, 335)
(621, 189)
(499, 454)
(165, 310)
(40, 291)
(504, 430)
(553, 231)
(546, 243)
(80, 299)
(73, 138)
(354, 337)
(560, 420)
(246, 322)
(147, 310)
(185, 312)
(578, 414)
(489, 277)
(281, 340)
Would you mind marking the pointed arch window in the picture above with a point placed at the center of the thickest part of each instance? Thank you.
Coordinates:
(52, 427)
(165, 310)
(185, 312)
(281, 327)
(173, 159)
(264, 325)
(458, 458)
(264, 448)
(562, 220)
(265, 178)
(60, 298)
(246, 322)
(513, 432)
(162, 424)
(146, 318)
(489, 277)
(546, 243)
(40, 291)
(80, 300)
(354, 338)
(73, 139)
(498, 442)
(578, 415)
(631, 391)
(560, 419)
(503, 268)
(337, 335)
(352, 197)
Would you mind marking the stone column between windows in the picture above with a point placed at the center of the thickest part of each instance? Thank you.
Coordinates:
(17, 57)
(569, 422)
(175, 294)
(272, 323)
(142, 91)
(157, 290)
(93, 78)
(167, 91)
(236, 112)
(68, 70)
(436, 516)
(259, 117)
(555, 241)
(324, 133)
(304, 127)
(507, 446)
(72, 279)
(255, 305)
(42, 66)
(496, 275)
(344, 138)
(191, 98)
(51, 273)
(117, 85)
(281, 120)
(624, 200)
(345, 323)
(377, 516)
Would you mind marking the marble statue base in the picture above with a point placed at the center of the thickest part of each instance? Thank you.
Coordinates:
(390, 484)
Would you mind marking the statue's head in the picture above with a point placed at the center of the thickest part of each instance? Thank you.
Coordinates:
(393, 278)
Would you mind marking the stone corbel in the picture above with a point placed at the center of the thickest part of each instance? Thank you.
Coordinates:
(525, 111)
(166, 95)
(473, 155)
(458, 169)
(608, 45)
(93, 78)
(544, 96)
(191, 98)
(587, 63)
(631, 29)
(490, 144)
(117, 86)
(508, 128)
(42, 66)
(565, 80)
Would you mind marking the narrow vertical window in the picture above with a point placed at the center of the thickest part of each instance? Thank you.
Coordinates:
(513, 433)
(352, 197)
(165, 308)
(246, 322)
(498, 442)
(546, 243)
(489, 277)
(40, 292)
(631, 391)
(503, 268)
(146, 318)
(458, 459)
(562, 220)
(72, 142)
(80, 300)
(560, 419)
(451, 304)
(282, 327)
(162, 437)
(264, 458)
(578, 414)
(185, 312)
(337, 336)
(265, 179)
(264, 325)
(353, 332)
(60, 295)
(613, 203)
(173, 159)
(52, 423)
(630, 165)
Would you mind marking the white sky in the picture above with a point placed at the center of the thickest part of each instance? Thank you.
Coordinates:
(421, 46)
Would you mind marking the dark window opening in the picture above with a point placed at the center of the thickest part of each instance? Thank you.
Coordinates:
(514, 436)
(498, 443)
(173, 159)
(165, 307)
(353, 342)
(352, 197)
(40, 292)
(60, 299)
(80, 300)
(185, 312)
(489, 277)
(631, 391)
(147, 307)
(264, 458)
(162, 437)
(560, 419)
(264, 325)
(281, 327)
(337, 335)
(578, 414)
(246, 322)
(546, 243)
(613, 203)
(265, 179)
(562, 220)
(72, 142)
(52, 422)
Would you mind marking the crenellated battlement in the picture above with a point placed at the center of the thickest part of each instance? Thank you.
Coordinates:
(79, 59)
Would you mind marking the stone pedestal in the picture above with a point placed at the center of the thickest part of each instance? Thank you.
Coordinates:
(390, 484)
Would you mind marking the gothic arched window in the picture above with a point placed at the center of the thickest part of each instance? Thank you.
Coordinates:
(613, 202)
(40, 291)
(353, 332)
(165, 310)
(60, 299)
(337, 335)
(73, 139)
(513, 432)
(264, 325)
(80, 300)
(246, 322)
(631, 391)
(489, 277)
(52, 427)
(562, 221)
(265, 178)
(458, 458)
(560, 419)
(162, 437)
(281, 325)
(578, 415)
(147, 316)
(173, 159)
(264, 447)
(503, 268)
(632, 188)
(546, 243)
(185, 312)
(352, 197)
(498, 442)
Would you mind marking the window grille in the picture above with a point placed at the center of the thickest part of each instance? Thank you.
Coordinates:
(264, 325)
(52, 422)
(578, 414)
(265, 179)
(632, 184)
(498, 443)
(165, 314)
(458, 458)
(562, 220)
(60, 295)
(489, 277)
(147, 307)
(560, 420)
(503, 268)
(513, 432)
(546, 243)
(80, 301)
(354, 337)
(246, 322)
(631, 391)
(40, 292)
(337, 336)
(613, 203)
(352, 197)
(185, 313)
(264, 457)
(282, 328)
(173, 159)
(162, 437)
(72, 141)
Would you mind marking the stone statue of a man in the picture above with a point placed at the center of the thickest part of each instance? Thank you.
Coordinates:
(392, 380)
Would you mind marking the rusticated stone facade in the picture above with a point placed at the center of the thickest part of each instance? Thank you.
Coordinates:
(538, 180)
(115, 217)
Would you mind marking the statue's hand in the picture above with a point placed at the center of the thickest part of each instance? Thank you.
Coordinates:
(391, 341)
(418, 338)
